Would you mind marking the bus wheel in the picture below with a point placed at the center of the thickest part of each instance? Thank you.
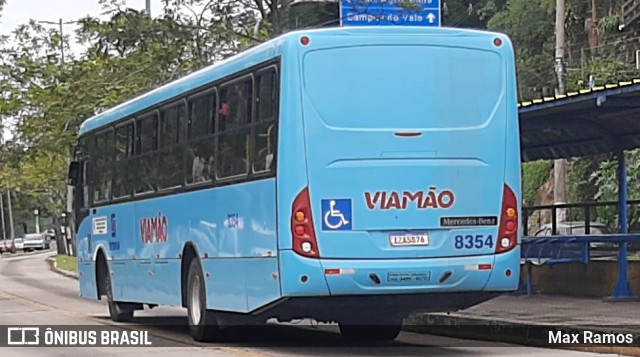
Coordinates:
(202, 322)
(119, 312)
(372, 332)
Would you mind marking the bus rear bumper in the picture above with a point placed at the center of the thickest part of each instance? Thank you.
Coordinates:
(491, 273)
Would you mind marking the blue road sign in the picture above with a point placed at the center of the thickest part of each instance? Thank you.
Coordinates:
(390, 12)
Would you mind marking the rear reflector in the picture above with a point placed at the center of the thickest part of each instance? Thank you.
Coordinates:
(334, 271)
(478, 267)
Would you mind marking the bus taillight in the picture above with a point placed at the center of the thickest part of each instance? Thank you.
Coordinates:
(508, 235)
(304, 235)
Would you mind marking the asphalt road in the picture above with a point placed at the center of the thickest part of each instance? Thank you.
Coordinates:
(32, 294)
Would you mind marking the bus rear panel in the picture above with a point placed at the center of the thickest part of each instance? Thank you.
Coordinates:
(412, 167)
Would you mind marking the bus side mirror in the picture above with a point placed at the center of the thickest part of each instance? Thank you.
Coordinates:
(74, 171)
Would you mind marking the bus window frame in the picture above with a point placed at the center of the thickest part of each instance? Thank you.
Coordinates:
(247, 173)
(83, 186)
(181, 140)
(94, 167)
(138, 147)
(211, 133)
(131, 156)
(276, 120)
(189, 100)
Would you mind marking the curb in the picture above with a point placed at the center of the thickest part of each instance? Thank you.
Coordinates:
(23, 254)
(54, 268)
(514, 332)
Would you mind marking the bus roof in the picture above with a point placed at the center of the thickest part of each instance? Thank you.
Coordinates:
(245, 59)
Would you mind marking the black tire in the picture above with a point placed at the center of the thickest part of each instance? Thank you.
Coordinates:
(371, 332)
(203, 325)
(118, 311)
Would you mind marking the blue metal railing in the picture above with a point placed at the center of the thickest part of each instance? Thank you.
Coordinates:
(577, 249)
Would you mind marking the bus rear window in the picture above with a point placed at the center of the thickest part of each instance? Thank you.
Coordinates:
(404, 86)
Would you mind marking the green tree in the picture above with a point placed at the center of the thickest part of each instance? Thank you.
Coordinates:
(46, 101)
(533, 42)
(468, 14)
(602, 71)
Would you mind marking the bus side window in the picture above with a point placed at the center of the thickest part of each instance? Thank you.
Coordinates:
(123, 165)
(265, 122)
(95, 175)
(146, 163)
(171, 159)
(200, 146)
(83, 174)
(234, 134)
(103, 152)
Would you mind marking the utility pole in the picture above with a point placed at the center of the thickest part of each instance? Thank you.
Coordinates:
(593, 31)
(36, 214)
(559, 165)
(559, 63)
(11, 230)
(61, 42)
(61, 29)
(149, 8)
(4, 230)
(61, 25)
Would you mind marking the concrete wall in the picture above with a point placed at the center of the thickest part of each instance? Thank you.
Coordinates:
(596, 279)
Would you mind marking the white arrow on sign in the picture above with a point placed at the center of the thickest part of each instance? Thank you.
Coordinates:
(431, 17)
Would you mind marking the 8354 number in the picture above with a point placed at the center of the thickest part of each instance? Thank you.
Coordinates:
(477, 241)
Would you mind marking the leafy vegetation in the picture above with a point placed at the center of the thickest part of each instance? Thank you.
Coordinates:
(534, 175)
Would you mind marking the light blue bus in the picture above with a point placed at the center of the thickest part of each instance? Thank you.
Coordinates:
(349, 175)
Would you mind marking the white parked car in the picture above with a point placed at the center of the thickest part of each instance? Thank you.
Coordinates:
(577, 229)
(36, 241)
(18, 244)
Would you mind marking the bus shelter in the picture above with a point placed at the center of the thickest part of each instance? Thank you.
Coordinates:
(590, 122)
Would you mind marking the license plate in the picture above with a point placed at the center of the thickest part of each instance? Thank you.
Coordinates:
(403, 240)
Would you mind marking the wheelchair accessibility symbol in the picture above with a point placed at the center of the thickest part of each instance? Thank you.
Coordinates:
(336, 215)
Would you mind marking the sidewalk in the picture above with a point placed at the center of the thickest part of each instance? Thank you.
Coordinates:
(546, 309)
(517, 319)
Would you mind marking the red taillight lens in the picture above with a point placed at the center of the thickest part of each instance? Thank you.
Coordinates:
(508, 234)
(304, 236)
